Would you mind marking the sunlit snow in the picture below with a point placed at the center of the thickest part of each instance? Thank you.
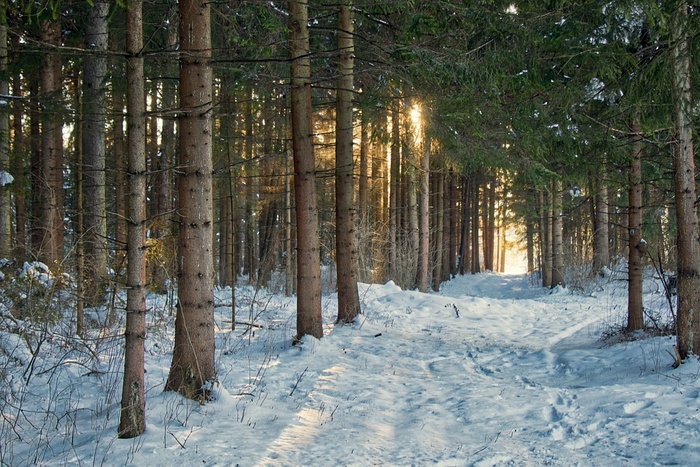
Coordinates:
(492, 370)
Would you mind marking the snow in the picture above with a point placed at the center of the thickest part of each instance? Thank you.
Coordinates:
(489, 371)
(5, 177)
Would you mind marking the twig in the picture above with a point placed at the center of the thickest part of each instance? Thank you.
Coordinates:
(298, 380)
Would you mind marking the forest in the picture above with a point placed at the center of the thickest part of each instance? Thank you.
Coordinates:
(175, 149)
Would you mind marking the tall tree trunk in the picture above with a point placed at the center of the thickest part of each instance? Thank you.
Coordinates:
(476, 260)
(637, 246)
(346, 244)
(119, 149)
(424, 217)
(530, 233)
(394, 192)
(192, 371)
(5, 177)
(439, 226)
(93, 151)
(446, 226)
(36, 179)
(309, 319)
(52, 230)
(601, 247)
(19, 165)
(688, 259)
(557, 236)
(454, 225)
(546, 238)
(465, 242)
(490, 227)
(133, 412)
(363, 210)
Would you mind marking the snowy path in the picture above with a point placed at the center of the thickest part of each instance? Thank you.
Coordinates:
(486, 387)
(488, 372)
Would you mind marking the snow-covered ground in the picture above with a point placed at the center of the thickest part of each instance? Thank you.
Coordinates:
(489, 371)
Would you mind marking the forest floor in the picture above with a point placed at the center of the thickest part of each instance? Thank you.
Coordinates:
(489, 371)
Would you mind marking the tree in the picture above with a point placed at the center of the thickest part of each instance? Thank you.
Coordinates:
(192, 371)
(309, 319)
(601, 248)
(93, 148)
(424, 215)
(5, 179)
(557, 236)
(51, 168)
(133, 412)
(346, 243)
(688, 256)
(636, 243)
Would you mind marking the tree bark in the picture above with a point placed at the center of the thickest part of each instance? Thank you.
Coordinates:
(601, 242)
(424, 216)
(439, 226)
(52, 229)
(688, 259)
(476, 260)
(636, 244)
(93, 152)
(19, 165)
(346, 243)
(557, 236)
(192, 371)
(394, 191)
(133, 413)
(309, 320)
(5, 183)
(546, 238)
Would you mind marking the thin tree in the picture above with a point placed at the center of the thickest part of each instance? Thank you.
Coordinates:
(51, 165)
(133, 413)
(557, 236)
(688, 259)
(424, 216)
(93, 149)
(308, 261)
(346, 243)
(601, 248)
(5, 180)
(636, 244)
(192, 371)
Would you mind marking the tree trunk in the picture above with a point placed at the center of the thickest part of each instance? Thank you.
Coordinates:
(637, 246)
(557, 224)
(346, 244)
(5, 180)
(18, 170)
(476, 260)
(546, 236)
(394, 191)
(363, 206)
(424, 217)
(36, 180)
(454, 225)
(309, 320)
(601, 247)
(446, 226)
(52, 230)
(439, 226)
(133, 413)
(490, 226)
(465, 242)
(688, 259)
(530, 233)
(119, 150)
(192, 371)
(93, 152)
